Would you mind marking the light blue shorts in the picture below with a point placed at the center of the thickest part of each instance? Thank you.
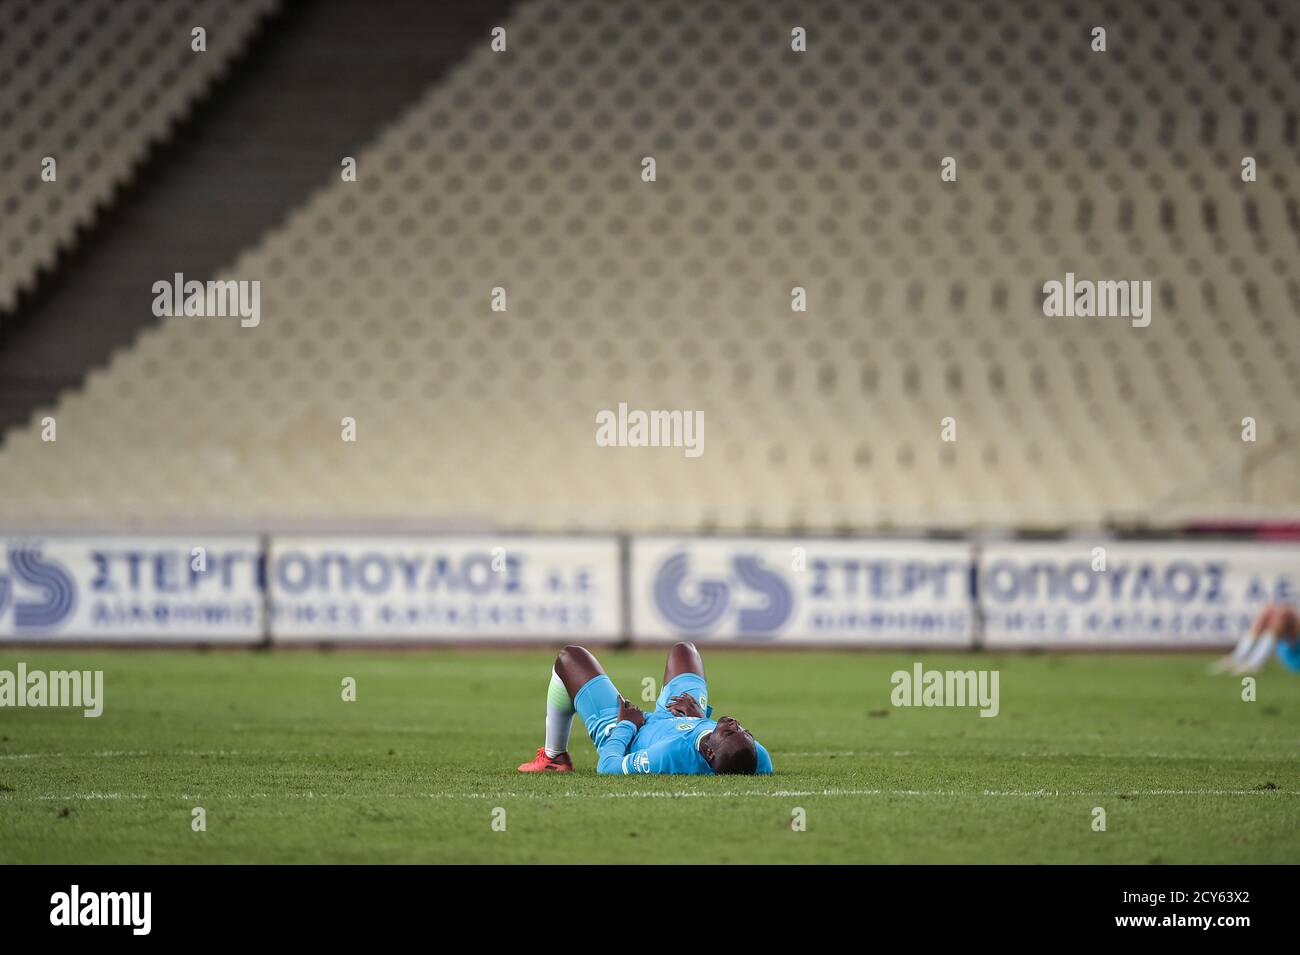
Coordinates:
(597, 701)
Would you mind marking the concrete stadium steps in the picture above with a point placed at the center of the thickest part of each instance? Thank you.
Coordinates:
(305, 90)
(94, 86)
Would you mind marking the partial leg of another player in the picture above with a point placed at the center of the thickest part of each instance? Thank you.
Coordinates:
(1253, 649)
(1241, 651)
(1279, 630)
(574, 668)
(1288, 640)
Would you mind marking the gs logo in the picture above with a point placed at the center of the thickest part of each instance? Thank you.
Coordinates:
(700, 612)
(54, 586)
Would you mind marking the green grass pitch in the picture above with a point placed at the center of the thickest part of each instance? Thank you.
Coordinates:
(415, 768)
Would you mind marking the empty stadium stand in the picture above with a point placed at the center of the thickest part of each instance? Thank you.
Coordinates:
(93, 85)
(308, 88)
(775, 169)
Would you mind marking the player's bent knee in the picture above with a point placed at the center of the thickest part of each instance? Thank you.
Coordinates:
(575, 666)
(569, 654)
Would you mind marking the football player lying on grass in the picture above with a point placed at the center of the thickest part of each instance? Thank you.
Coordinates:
(1277, 625)
(678, 737)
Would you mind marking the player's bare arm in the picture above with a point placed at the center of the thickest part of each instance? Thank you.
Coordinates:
(685, 705)
(630, 713)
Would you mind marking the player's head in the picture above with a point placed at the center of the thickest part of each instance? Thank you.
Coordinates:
(730, 749)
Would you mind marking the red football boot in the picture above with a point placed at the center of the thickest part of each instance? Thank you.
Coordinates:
(541, 763)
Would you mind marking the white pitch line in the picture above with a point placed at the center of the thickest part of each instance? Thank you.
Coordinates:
(843, 754)
(671, 794)
(116, 753)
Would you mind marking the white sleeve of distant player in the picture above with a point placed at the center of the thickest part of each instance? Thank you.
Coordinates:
(1259, 654)
(1242, 649)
